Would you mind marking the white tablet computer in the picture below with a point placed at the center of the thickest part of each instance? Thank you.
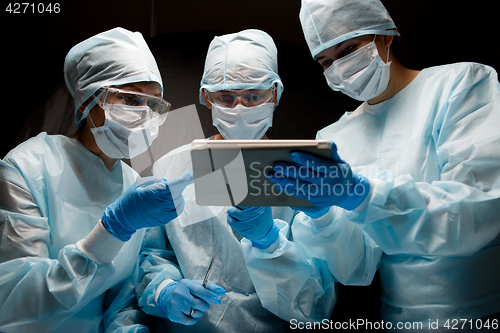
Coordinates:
(234, 172)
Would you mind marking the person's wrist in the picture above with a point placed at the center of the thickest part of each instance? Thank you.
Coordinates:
(359, 192)
(160, 288)
(118, 226)
(317, 214)
(99, 245)
(268, 239)
(160, 300)
(364, 205)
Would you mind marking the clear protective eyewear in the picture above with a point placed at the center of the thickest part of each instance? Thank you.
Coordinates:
(249, 98)
(113, 96)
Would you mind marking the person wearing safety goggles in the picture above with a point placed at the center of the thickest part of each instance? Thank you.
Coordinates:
(130, 121)
(417, 166)
(73, 215)
(241, 114)
(241, 86)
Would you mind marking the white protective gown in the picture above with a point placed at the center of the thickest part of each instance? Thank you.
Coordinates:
(434, 152)
(183, 249)
(52, 194)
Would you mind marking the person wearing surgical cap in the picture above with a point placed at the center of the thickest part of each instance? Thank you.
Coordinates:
(418, 171)
(72, 214)
(241, 86)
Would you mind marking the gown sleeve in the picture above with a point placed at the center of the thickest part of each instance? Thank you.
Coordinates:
(157, 264)
(290, 283)
(351, 255)
(458, 214)
(38, 293)
(123, 314)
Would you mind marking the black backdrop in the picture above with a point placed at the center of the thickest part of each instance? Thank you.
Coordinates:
(34, 46)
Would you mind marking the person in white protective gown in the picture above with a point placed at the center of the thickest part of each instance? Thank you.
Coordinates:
(241, 86)
(416, 166)
(70, 208)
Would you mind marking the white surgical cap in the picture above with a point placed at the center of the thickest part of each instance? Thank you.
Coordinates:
(114, 57)
(329, 22)
(243, 60)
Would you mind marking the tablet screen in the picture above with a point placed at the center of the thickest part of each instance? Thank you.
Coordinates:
(234, 172)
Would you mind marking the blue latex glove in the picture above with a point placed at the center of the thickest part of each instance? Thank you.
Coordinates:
(178, 298)
(313, 212)
(322, 182)
(150, 202)
(255, 224)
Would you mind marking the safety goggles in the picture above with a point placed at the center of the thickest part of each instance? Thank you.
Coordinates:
(251, 97)
(113, 96)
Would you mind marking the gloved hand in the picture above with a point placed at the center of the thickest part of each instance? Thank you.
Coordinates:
(150, 202)
(312, 211)
(322, 182)
(255, 224)
(177, 300)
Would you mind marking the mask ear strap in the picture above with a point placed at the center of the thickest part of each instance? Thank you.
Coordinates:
(90, 106)
(92, 121)
(87, 109)
(388, 50)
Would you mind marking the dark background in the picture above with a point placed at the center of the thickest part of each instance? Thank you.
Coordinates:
(34, 46)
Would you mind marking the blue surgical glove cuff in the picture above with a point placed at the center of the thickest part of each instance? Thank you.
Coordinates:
(316, 213)
(150, 202)
(117, 223)
(162, 297)
(116, 216)
(269, 239)
(356, 199)
(255, 224)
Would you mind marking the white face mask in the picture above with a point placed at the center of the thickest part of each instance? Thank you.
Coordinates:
(127, 131)
(361, 75)
(241, 122)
